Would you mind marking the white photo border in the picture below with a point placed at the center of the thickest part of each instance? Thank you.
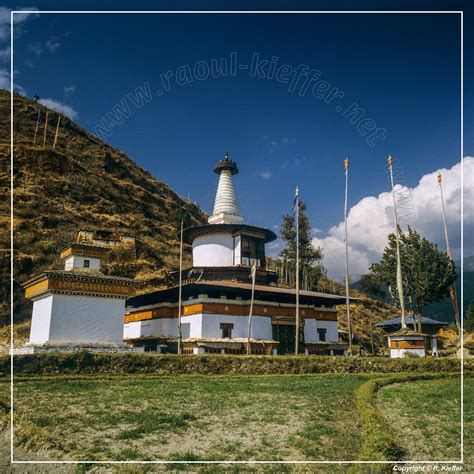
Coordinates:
(256, 12)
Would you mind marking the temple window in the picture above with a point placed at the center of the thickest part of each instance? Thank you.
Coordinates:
(252, 250)
(322, 334)
(227, 330)
(87, 263)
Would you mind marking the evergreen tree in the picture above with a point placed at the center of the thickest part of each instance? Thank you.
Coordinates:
(427, 272)
(469, 321)
(369, 285)
(311, 268)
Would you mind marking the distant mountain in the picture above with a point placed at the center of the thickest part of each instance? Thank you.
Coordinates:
(83, 184)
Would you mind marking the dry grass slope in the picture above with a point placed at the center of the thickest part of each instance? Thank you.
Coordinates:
(83, 184)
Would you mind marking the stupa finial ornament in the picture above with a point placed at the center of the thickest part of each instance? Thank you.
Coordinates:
(226, 209)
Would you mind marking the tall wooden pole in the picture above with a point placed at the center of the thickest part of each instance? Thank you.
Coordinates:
(37, 125)
(180, 333)
(397, 237)
(348, 312)
(56, 134)
(253, 274)
(45, 129)
(452, 290)
(297, 226)
(372, 337)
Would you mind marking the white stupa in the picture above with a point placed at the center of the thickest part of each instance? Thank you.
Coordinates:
(78, 307)
(226, 209)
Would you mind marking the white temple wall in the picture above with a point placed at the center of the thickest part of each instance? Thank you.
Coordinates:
(90, 319)
(214, 250)
(136, 329)
(191, 326)
(237, 250)
(311, 327)
(310, 333)
(261, 326)
(398, 353)
(40, 320)
(168, 327)
(209, 326)
(76, 261)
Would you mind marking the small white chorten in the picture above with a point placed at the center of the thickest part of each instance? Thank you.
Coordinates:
(226, 209)
(78, 306)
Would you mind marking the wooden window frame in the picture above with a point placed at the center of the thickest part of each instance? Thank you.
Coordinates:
(227, 327)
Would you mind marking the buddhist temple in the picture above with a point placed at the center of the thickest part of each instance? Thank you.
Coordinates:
(216, 294)
(78, 307)
(406, 342)
(430, 329)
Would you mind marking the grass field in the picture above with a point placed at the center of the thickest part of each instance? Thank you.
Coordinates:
(425, 416)
(310, 417)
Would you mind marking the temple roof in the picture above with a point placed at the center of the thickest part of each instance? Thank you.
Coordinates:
(82, 248)
(192, 232)
(230, 289)
(409, 320)
(407, 332)
(79, 274)
(226, 164)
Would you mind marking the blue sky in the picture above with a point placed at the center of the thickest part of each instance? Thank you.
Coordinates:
(400, 72)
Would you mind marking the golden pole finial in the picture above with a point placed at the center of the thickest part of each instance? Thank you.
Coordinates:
(346, 163)
(440, 178)
(389, 160)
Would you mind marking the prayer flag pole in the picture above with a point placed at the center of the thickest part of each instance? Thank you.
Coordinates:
(45, 129)
(180, 333)
(452, 289)
(349, 328)
(56, 134)
(297, 276)
(37, 125)
(253, 274)
(397, 237)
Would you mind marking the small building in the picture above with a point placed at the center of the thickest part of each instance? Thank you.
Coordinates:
(104, 238)
(216, 294)
(78, 306)
(406, 342)
(429, 328)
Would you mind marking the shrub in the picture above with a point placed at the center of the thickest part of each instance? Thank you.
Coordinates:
(156, 364)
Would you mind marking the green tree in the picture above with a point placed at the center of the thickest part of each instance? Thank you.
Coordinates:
(469, 321)
(427, 272)
(311, 268)
(369, 285)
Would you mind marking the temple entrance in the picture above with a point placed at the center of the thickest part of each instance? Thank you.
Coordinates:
(285, 335)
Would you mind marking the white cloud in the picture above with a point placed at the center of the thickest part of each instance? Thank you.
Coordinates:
(60, 107)
(5, 82)
(5, 54)
(265, 174)
(18, 20)
(52, 44)
(69, 89)
(274, 142)
(371, 220)
(36, 48)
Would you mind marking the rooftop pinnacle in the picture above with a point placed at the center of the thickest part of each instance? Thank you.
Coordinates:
(226, 209)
